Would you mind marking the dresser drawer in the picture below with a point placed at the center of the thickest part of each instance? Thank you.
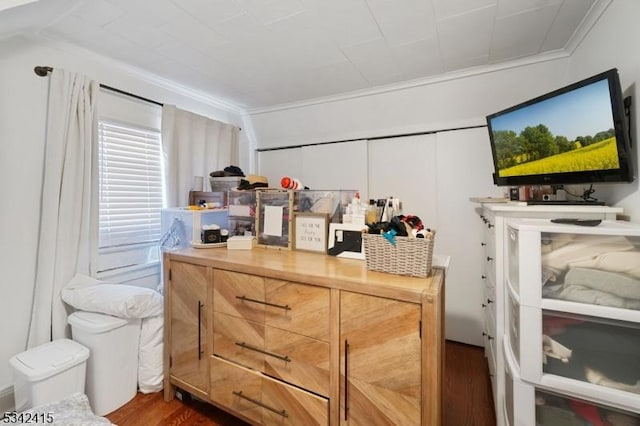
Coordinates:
(300, 308)
(264, 400)
(234, 293)
(308, 312)
(234, 337)
(288, 356)
(489, 302)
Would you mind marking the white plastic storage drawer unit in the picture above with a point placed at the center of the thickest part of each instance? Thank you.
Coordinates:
(526, 404)
(573, 308)
(597, 265)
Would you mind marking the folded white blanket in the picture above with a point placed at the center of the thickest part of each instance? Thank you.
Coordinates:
(124, 301)
(583, 248)
(150, 356)
(619, 285)
(624, 262)
(581, 294)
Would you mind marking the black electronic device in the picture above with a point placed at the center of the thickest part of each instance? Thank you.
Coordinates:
(564, 203)
(580, 222)
(575, 134)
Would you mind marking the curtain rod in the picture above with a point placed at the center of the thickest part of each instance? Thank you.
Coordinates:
(44, 71)
(372, 138)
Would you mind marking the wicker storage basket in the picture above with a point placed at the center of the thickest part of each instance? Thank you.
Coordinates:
(409, 256)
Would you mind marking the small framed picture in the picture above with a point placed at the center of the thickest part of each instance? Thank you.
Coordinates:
(273, 220)
(241, 226)
(345, 240)
(310, 231)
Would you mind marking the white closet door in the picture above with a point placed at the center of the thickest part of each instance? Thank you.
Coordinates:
(464, 168)
(335, 166)
(278, 163)
(405, 168)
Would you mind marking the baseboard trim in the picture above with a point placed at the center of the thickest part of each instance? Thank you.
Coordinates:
(6, 400)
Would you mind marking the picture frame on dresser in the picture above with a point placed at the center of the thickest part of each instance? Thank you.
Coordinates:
(310, 231)
(273, 221)
(345, 240)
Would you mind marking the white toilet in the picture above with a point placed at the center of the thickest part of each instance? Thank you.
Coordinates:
(112, 367)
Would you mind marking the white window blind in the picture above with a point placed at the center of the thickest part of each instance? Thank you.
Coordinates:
(131, 194)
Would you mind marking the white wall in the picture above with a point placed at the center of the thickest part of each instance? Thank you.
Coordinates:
(463, 100)
(462, 159)
(613, 43)
(23, 99)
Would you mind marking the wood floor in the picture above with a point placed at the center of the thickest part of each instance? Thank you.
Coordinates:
(467, 398)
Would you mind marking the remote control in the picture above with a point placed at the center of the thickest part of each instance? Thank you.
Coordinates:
(580, 222)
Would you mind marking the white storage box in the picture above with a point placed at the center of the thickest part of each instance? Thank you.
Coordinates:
(241, 242)
(48, 372)
(112, 368)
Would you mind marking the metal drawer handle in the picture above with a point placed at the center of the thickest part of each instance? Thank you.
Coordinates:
(346, 380)
(487, 335)
(200, 351)
(246, 299)
(282, 413)
(253, 348)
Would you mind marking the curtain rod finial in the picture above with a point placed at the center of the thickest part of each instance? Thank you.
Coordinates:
(42, 71)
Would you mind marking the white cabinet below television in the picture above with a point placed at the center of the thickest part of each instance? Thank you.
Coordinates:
(572, 316)
(491, 277)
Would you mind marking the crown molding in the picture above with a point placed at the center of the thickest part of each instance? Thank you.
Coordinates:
(595, 12)
(590, 19)
(139, 74)
(10, 4)
(427, 81)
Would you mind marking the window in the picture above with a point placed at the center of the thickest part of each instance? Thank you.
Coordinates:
(130, 195)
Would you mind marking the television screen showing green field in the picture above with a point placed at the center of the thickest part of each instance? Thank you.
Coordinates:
(573, 132)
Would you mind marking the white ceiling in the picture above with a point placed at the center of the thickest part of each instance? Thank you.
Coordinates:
(260, 53)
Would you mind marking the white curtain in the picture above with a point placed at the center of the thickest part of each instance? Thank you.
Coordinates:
(68, 231)
(194, 145)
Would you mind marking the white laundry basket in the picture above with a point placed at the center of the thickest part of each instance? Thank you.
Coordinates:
(112, 368)
(48, 373)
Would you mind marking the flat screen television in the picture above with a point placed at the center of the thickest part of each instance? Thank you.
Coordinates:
(576, 134)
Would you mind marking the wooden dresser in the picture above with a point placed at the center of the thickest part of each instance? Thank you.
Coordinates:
(297, 338)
